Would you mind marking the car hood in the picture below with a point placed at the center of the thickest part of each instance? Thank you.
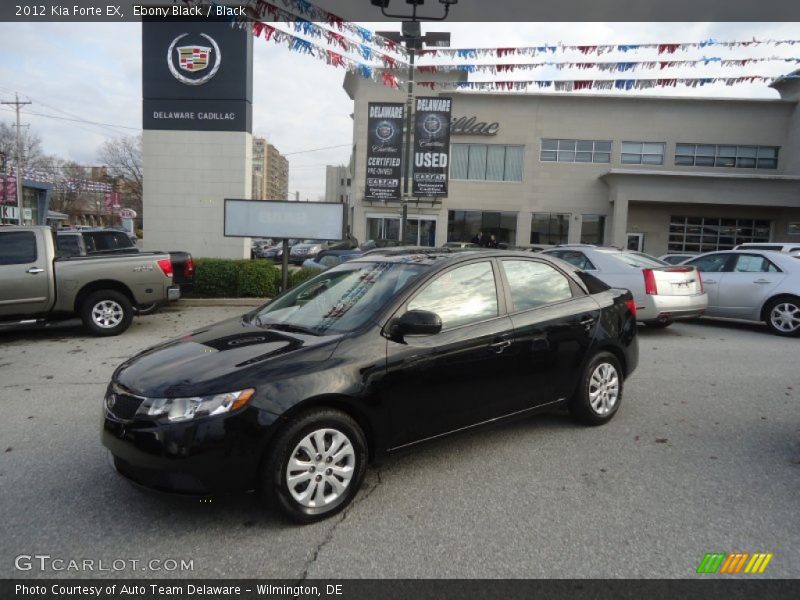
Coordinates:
(224, 357)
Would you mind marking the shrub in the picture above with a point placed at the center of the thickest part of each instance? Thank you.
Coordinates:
(301, 275)
(221, 277)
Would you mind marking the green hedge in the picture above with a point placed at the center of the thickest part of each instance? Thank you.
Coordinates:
(301, 275)
(221, 277)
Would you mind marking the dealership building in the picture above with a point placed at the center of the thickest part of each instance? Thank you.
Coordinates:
(661, 174)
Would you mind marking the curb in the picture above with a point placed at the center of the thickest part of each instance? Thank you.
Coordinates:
(209, 302)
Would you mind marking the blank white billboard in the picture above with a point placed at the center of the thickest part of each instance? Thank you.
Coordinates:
(281, 219)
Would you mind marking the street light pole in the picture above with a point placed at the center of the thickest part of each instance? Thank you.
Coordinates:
(17, 105)
(411, 36)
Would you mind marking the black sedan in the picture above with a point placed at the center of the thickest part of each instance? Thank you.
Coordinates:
(372, 356)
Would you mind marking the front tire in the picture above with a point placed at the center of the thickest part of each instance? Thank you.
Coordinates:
(599, 392)
(783, 316)
(106, 312)
(315, 466)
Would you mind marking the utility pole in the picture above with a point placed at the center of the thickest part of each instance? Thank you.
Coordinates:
(17, 104)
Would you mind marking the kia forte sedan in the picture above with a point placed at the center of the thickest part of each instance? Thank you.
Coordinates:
(372, 356)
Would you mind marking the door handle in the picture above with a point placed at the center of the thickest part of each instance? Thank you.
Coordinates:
(709, 280)
(587, 321)
(35, 270)
(498, 347)
(762, 281)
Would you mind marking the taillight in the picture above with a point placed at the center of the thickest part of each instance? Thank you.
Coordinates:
(700, 281)
(188, 267)
(650, 287)
(631, 304)
(165, 264)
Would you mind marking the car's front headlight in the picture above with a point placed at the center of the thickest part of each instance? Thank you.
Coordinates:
(185, 409)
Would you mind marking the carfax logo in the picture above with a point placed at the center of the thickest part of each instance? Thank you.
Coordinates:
(734, 563)
(192, 59)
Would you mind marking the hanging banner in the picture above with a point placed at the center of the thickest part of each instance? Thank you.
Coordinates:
(8, 189)
(431, 145)
(384, 151)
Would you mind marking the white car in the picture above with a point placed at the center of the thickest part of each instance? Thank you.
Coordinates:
(793, 249)
(758, 285)
(662, 292)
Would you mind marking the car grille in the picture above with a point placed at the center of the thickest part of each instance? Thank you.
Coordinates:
(300, 252)
(122, 406)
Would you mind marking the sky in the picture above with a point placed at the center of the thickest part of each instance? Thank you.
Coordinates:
(92, 72)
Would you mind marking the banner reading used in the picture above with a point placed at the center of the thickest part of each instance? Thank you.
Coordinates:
(431, 146)
(384, 151)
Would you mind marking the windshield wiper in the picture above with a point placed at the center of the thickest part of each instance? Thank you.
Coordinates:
(286, 327)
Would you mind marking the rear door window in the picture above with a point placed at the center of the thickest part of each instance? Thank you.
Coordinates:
(68, 245)
(753, 263)
(17, 248)
(533, 284)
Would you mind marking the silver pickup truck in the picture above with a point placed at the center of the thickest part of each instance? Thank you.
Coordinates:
(37, 287)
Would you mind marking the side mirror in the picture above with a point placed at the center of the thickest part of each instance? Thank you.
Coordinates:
(415, 322)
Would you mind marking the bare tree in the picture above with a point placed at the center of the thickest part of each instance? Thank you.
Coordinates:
(32, 156)
(123, 160)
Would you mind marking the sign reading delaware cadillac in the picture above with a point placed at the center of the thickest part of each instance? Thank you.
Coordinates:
(384, 151)
(431, 146)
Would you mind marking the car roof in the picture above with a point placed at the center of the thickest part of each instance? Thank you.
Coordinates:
(430, 256)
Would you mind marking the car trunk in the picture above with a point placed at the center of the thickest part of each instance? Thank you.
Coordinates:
(673, 281)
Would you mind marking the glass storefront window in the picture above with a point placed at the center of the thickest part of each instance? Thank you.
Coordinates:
(549, 228)
(464, 225)
(420, 232)
(593, 228)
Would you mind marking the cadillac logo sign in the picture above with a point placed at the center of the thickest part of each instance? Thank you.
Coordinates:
(384, 131)
(432, 125)
(192, 59)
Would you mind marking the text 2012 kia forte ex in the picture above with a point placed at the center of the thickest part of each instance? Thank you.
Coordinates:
(377, 354)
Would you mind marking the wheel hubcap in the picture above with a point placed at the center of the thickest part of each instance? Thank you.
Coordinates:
(603, 388)
(785, 317)
(320, 468)
(107, 314)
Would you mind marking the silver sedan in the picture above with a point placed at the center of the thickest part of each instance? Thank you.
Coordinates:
(757, 285)
(662, 292)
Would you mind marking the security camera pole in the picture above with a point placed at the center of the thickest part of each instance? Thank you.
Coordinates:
(411, 36)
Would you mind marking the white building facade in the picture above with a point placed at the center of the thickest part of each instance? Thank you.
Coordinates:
(655, 173)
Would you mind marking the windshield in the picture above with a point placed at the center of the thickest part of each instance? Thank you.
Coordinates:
(639, 260)
(340, 299)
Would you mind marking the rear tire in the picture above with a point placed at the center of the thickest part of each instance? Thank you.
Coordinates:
(147, 309)
(782, 316)
(660, 324)
(106, 312)
(599, 392)
(323, 449)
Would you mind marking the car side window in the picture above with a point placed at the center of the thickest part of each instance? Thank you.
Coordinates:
(460, 296)
(752, 263)
(17, 248)
(68, 245)
(534, 284)
(713, 263)
(576, 258)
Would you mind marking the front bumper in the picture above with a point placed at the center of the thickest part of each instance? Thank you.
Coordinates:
(212, 455)
(656, 307)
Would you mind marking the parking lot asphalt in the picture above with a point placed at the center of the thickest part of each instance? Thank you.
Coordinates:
(703, 456)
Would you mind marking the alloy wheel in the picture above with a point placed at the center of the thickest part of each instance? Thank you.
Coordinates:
(320, 468)
(107, 314)
(785, 317)
(603, 388)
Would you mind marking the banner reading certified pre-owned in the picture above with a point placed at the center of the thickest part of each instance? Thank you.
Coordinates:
(431, 146)
(384, 151)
